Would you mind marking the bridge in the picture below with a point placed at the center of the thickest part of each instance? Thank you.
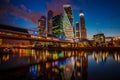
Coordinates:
(15, 35)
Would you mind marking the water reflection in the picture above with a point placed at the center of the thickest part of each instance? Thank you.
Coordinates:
(56, 65)
(116, 56)
(100, 57)
(62, 67)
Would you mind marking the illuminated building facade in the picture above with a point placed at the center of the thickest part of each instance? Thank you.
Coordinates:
(68, 11)
(99, 39)
(68, 28)
(62, 27)
(116, 41)
(77, 31)
(57, 28)
(42, 26)
(109, 41)
(49, 22)
(68, 22)
(82, 26)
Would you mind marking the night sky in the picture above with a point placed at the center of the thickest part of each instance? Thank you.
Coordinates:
(100, 15)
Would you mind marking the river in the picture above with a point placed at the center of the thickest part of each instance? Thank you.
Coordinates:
(35, 64)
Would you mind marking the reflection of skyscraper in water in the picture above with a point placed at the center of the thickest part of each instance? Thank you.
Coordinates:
(100, 57)
(116, 56)
(49, 21)
(84, 66)
(81, 66)
(42, 25)
(82, 26)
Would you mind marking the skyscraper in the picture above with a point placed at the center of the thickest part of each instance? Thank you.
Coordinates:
(77, 31)
(49, 22)
(62, 27)
(57, 28)
(83, 32)
(42, 26)
(68, 11)
(68, 21)
(68, 28)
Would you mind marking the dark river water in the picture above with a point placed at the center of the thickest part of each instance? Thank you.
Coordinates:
(30, 64)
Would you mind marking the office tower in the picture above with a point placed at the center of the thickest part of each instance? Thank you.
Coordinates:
(49, 22)
(68, 28)
(77, 32)
(68, 11)
(42, 26)
(83, 34)
(62, 27)
(57, 28)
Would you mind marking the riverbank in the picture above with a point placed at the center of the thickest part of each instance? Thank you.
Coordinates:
(9, 49)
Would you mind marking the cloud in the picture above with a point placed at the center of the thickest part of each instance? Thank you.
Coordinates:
(57, 6)
(21, 12)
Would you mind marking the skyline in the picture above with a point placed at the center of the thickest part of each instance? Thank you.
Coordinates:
(100, 16)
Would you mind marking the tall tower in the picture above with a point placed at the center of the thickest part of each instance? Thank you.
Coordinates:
(57, 28)
(68, 11)
(77, 31)
(42, 26)
(49, 22)
(82, 26)
(68, 21)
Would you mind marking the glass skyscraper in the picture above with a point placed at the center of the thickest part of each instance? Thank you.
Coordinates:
(57, 28)
(63, 24)
(68, 22)
(42, 26)
(68, 11)
(49, 22)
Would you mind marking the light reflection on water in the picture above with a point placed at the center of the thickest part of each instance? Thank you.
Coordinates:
(30, 64)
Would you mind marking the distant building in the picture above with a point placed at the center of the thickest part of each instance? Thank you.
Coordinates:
(77, 31)
(109, 41)
(49, 22)
(116, 41)
(83, 31)
(99, 39)
(42, 26)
